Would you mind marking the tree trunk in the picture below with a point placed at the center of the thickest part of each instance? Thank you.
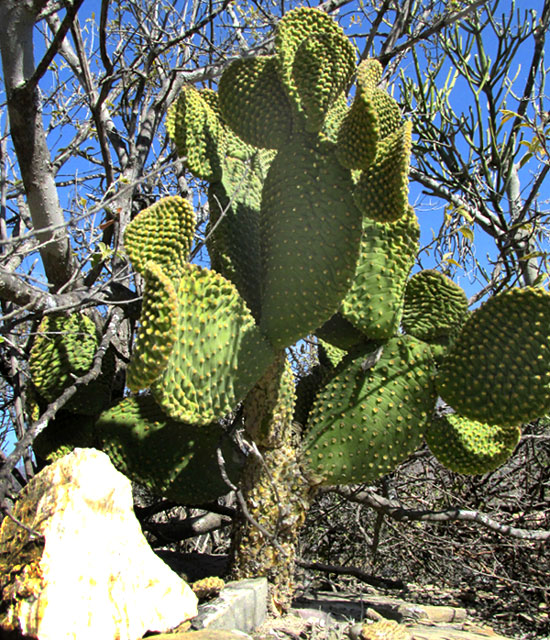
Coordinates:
(29, 139)
(274, 488)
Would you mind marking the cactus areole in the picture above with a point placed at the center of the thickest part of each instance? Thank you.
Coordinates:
(311, 231)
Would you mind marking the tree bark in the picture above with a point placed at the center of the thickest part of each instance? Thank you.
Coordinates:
(29, 139)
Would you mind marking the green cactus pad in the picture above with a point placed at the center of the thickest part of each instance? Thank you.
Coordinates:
(368, 75)
(157, 331)
(310, 239)
(358, 134)
(382, 190)
(218, 354)
(299, 26)
(470, 447)
(254, 102)
(375, 300)
(195, 128)
(172, 459)
(372, 414)
(162, 233)
(334, 119)
(269, 406)
(234, 204)
(323, 65)
(434, 306)
(63, 434)
(340, 333)
(63, 350)
(498, 368)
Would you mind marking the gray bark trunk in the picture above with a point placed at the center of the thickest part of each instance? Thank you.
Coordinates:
(27, 131)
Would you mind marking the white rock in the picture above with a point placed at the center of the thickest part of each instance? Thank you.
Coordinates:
(94, 576)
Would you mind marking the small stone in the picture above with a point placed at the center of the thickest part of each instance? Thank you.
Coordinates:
(89, 572)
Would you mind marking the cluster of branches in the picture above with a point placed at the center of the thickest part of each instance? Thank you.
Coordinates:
(83, 149)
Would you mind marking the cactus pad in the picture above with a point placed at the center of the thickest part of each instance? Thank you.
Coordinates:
(382, 190)
(234, 204)
(470, 447)
(303, 73)
(322, 68)
(372, 413)
(311, 231)
(498, 368)
(340, 333)
(254, 103)
(162, 233)
(434, 306)
(170, 458)
(375, 300)
(157, 331)
(218, 353)
(358, 134)
(195, 128)
(63, 350)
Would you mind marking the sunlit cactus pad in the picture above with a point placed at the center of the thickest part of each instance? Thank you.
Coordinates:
(172, 459)
(434, 305)
(322, 67)
(162, 233)
(218, 354)
(375, 300)
(254, 102)
(300, 33)
(157, 330)
(311, 231)
(373, 116)
(470, 447)
(498, 369)
(372, 414)
(369, 74)
(383, 189)
(195, 128)
(63, 350)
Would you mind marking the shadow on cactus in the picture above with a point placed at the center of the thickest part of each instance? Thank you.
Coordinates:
(311, 235)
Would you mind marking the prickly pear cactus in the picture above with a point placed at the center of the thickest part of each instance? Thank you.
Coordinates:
(310, 234)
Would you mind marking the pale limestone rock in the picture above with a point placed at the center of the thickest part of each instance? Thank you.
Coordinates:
(92, 575)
